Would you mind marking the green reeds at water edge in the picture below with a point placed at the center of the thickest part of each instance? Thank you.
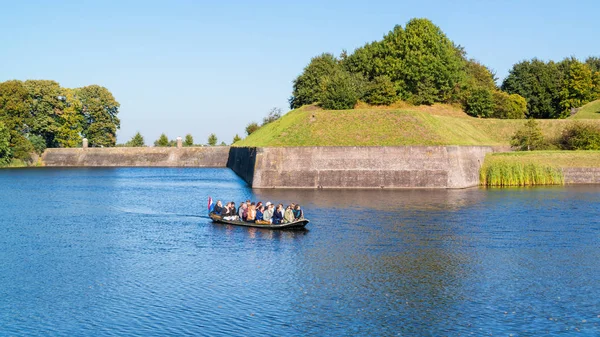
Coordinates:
(501, 173)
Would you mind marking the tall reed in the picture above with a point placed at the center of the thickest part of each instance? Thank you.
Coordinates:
(502, 172)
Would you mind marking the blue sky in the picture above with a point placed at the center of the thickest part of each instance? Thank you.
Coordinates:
(213, 66)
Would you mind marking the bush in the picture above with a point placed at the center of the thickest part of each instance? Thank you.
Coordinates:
(22, 148)
(508, 106)
(38, 143)
(480, 103)
(342, 91)
(381, 91)
(236, 139)
(581, 136)
(251, 128)
(529, 137)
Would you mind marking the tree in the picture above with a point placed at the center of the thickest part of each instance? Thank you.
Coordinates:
(251, 128)
(45, 109)
(212, 139)
(223, 144)
(540, 84)
(578, 87)
(274, 114)
(529, 137)
(137, 141)
(593, 63)
(38, 143)
(5, 154)
(236, 139)
(189, 140)
(100, 111)
(480, 103)
(70, 121)
(308, 86)
(162, 141)
(431, 64)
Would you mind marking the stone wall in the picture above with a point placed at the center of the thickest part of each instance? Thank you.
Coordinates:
(581, 175)
(138, 156)
(360, 167)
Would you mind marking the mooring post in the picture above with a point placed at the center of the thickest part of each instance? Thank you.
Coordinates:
(84, 143)
(179, 143)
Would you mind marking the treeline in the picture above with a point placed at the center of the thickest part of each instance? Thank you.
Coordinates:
(420, 65)
(163, 141)
(37, 114)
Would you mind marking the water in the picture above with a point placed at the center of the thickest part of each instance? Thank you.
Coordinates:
(130, 252)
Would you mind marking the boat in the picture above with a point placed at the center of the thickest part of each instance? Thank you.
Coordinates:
(300, 224)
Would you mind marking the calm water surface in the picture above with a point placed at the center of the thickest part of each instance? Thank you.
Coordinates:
(130, 252)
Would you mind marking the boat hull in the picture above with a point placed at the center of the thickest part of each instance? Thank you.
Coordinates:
(291, 225)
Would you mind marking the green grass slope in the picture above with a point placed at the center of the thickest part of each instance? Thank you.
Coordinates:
(309, 126)
(588, 111)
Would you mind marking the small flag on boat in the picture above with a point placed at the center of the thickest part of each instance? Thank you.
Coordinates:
(210, 203)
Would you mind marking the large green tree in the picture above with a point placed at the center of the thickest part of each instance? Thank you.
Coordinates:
(4, 145)
(70, 120)
(45, 109)
(432, 65)
(309, 87)
(539, 83)
(100, 111)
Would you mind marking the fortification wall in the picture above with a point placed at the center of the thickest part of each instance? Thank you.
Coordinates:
(360, 167)
(581, 175)
(138, 156)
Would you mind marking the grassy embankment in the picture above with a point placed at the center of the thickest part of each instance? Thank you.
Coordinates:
(588, 111)
(533, 167)
(432, 125)
(400, 125)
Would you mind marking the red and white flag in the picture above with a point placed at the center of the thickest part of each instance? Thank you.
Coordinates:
(209, 203)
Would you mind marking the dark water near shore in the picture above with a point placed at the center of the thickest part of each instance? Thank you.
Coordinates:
(129, 252)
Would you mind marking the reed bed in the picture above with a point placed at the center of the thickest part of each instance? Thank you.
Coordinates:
(500, 172)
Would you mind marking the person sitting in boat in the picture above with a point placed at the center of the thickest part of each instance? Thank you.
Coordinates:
(288, 215)
(259, 213)
(298, 213)
(218, 207)
(251, 213)
(243, 212)
(278, 215)
(268, 213)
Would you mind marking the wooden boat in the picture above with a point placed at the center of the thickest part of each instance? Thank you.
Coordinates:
(300, 224)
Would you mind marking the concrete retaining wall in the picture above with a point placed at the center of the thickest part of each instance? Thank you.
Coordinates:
(140, 156)
(582, 175)
(360, 167)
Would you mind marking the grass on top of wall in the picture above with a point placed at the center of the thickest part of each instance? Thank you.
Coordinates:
(376, 126)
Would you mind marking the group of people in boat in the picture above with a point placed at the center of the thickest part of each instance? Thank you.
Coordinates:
(259, 212)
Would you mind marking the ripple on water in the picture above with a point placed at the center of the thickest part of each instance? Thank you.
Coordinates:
(130, 252)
